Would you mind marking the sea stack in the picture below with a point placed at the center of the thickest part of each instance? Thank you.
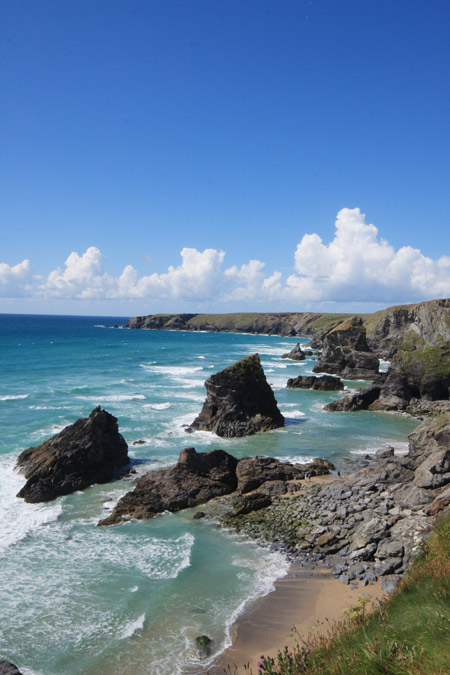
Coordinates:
(239, 401)
(89, 451)
(295, 354)
(346, 352)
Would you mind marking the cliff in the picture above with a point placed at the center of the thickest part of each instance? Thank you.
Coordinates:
(409, 326)
(290, 323)
(423, 323)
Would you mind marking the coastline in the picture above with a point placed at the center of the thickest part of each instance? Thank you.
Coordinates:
(310, 600)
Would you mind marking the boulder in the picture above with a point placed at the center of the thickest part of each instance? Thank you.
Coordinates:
(195, 479)
(252, 472)
(89, 451)
(324, 383)
(295, 354)
(243, 504)
(360, 400)
(239, 401)
(346, 352)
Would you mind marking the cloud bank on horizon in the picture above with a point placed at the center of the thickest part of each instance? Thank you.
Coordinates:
(356, 266)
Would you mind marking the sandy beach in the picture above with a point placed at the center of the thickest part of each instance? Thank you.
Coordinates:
(308, 599)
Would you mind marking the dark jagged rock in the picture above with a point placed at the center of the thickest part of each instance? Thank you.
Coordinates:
(360, 400)
(295, 354)
(89, 451)
(324, 383)
(346, 352)
(7, 668)
(239, 401)
(422, 373)
(254, 471)
(414, 378)
(195, 479)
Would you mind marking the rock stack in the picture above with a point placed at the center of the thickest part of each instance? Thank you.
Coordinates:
(89, 451)
(239, 401)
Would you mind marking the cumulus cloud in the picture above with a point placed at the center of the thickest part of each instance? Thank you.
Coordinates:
(357, 265)
(15, 281)
(84, 277)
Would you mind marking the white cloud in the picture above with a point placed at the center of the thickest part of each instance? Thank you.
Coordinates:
(356, 266)
(84, 277)
(15, 281)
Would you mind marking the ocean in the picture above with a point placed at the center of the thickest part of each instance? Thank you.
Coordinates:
(80, 600)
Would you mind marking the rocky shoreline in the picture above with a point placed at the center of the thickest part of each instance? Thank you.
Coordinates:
(368, 525)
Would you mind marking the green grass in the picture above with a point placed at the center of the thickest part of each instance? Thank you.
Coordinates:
(409, 634)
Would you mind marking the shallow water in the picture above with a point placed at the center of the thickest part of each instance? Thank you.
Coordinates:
(77, 599)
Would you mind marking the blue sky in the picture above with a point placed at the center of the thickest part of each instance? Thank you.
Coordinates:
(152, 149)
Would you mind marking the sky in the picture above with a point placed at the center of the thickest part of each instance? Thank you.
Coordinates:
(223, 155)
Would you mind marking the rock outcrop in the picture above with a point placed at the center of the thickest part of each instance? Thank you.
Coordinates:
(254, 471)
(239, 401)
(367, 525)
(324, 383)
(346, 352)
(414, 378)
(195, 479)
(199, 477)
(89, 451)
(295, 354)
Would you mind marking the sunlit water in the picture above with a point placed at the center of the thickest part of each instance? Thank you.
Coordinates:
(82, 600)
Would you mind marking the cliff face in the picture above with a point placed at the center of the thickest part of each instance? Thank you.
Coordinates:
(426, 323)
(290, 323)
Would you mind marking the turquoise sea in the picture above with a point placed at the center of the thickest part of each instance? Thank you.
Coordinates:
(80, 600)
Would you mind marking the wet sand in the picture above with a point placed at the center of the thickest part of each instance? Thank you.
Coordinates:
(310, 600)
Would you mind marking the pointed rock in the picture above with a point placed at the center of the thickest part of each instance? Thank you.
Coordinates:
(295, 354)
(239, 401)
(86, 452)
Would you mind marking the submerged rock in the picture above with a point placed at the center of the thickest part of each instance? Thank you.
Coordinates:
(239, 401)
(195, 479)
(89, 451)
(295, 354)
(203, 644)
